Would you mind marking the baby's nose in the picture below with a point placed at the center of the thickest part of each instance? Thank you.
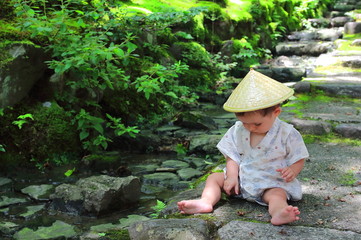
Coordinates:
(252, 128)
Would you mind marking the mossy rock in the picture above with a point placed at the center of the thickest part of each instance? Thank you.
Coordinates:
(49, 136)
(193, 53)
(198, 77)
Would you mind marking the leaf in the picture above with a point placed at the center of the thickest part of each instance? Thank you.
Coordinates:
(83, 135)
(69, 172)
(119, 52)
(99, 128)
(19, 123)
(28, 115)
(131, 47)
(171, 94)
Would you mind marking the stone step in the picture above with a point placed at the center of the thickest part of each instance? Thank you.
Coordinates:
(251, 230)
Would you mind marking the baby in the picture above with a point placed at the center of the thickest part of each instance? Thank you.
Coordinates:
(263, 154)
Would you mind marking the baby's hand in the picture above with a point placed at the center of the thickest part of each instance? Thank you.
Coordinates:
(287, 174)
(231, 186)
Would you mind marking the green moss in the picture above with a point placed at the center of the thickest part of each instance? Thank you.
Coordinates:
(116, 235)
(239, 10)
(351, 37)
(198, 30)
(301, 101)
(330, 138)
(199, 181)
(194, 54)
(9, 35)
(348, 178)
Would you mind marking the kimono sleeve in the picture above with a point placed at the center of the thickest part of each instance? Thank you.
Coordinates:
(227, 145)
(296, 147)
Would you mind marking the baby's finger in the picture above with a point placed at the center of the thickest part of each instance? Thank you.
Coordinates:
(236, 190)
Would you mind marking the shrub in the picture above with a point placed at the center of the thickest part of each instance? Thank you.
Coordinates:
(47, 133)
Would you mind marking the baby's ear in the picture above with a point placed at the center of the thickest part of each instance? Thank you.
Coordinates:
(277, 111)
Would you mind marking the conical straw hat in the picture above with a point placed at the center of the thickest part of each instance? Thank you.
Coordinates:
(256, 91)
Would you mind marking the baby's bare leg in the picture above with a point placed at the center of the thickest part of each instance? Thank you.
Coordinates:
(210, 196)
(281, 212)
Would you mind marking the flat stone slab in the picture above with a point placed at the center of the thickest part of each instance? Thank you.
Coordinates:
(58, 230)
(160, 229)
(4, 181)
(7, 201)
(260, 231)
(338, 110)
(38, 192)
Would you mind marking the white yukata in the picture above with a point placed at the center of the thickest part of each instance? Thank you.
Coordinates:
(281, 147)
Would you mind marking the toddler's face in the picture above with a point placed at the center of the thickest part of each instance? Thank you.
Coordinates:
(255, 122)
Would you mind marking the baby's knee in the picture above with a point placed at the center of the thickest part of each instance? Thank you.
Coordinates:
(273, 193)
(216, 177)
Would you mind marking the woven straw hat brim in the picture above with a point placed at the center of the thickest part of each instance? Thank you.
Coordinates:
(257, 91)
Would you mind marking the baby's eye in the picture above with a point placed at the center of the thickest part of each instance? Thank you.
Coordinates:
(257, 124)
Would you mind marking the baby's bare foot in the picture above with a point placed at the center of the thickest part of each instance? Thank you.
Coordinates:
(194, 206)
(286, 215)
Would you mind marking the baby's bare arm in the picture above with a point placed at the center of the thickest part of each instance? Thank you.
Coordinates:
(291, 172)
(231, 185)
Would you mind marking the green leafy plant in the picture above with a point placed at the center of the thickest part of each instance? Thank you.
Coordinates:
(91, 130)
(158, 209)
(22, 120)
(120, 128)
(181, 149)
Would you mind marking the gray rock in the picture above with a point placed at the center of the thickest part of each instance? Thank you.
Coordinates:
(329, 34)
(7, 201)
(38, 192)
(319, 22)
(353, 27)
(4, 181)
(162, 178)
(204, 143)
(20, 75)
(196, 120)
(198, 163)
(312, 126)
(349, 130)
(352, 63)
(143, 169)
(302, 36)
(8, 228)
(309, 48)
(340, 21)
(96, 194)
(57, 230)
(169, 229)
(340, 89)
(32, 210)
(302, 87)
(356, 42)
(189, 173)
(175, 164)
(288, 74)
(248, 230)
